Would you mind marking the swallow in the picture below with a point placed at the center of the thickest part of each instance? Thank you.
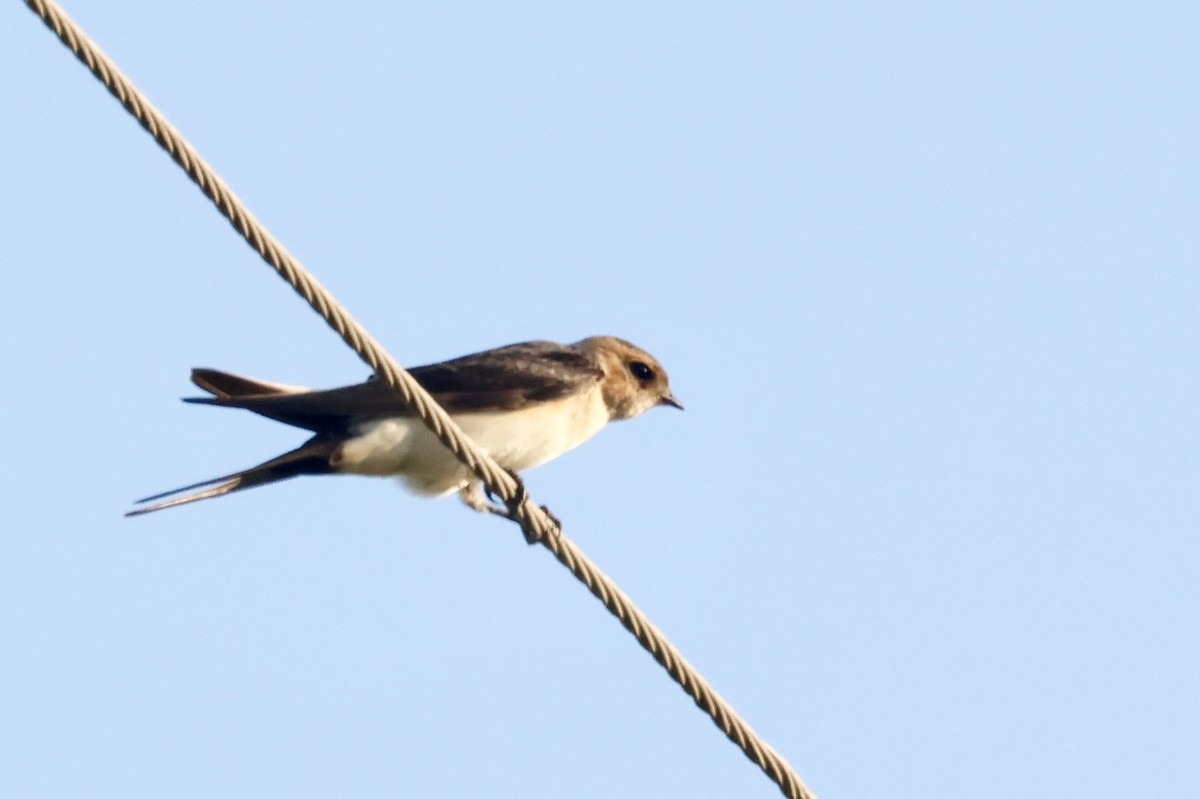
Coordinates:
(524, 404)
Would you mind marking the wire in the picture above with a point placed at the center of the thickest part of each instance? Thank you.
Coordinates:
(537, 525)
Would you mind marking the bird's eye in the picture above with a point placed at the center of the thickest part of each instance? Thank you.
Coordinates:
(641, 371)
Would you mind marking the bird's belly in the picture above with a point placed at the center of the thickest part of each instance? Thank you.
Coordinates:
(405, 448)
(516, 440)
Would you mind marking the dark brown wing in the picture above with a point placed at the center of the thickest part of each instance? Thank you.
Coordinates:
(507, 378)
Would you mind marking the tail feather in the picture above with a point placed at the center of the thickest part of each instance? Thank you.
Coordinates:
(312, 458)
(224, 385)
(231, 484)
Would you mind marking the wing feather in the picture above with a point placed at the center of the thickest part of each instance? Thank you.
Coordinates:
(508, 378)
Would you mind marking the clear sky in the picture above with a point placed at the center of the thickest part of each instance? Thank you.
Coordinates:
(926, 276)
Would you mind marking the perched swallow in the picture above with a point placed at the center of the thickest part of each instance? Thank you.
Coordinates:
(524, 404)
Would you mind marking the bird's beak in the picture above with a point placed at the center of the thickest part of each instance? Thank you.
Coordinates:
(670, 400)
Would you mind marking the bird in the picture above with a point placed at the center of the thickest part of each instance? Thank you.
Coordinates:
(524, 404)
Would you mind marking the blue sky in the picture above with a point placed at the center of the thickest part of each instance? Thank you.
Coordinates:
(925, 276)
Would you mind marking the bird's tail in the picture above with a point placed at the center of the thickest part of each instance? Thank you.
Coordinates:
(312, 458)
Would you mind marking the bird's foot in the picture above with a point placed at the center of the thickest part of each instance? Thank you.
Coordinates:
(475, 497)
(480, 498)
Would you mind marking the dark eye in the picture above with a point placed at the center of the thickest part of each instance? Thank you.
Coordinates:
(641, 371)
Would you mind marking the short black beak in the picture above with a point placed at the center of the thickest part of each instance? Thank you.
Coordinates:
(670, 400)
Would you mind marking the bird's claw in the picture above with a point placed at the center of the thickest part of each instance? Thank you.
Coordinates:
(481, 498)
(518, 497)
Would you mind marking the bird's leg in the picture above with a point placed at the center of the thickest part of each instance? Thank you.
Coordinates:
(477, 496)
(514, 504)
(519, 497)
(474, 496)
(510, 505)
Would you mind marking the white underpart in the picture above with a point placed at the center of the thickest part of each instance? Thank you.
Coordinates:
(516, 440)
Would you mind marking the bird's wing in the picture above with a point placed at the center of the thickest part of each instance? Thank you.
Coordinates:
(507, 379)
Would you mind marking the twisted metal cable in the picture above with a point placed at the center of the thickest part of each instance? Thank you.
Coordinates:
(653, 641)
(534, 522)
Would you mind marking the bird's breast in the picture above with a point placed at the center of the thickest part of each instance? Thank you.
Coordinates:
(529, 437)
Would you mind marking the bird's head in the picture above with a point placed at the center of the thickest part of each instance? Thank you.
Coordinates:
(634, 381)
